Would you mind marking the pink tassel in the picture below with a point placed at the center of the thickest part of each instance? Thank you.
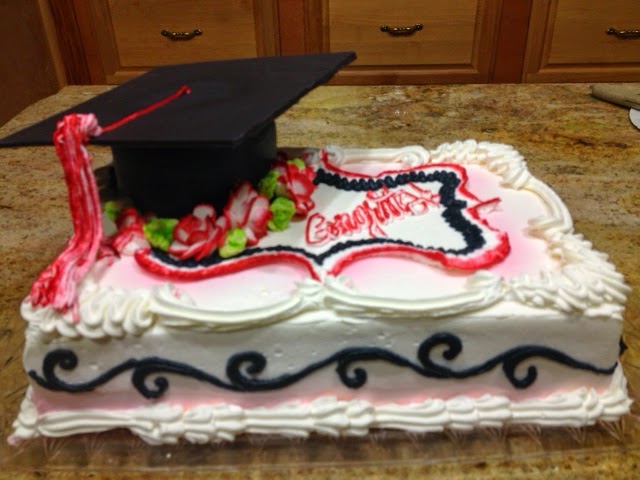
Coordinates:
(57, 284)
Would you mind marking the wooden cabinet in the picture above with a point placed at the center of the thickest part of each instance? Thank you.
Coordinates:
(122, 38)
(578, 41)
(397, 41)
(412, 40)
(30, 67)
(181, 31)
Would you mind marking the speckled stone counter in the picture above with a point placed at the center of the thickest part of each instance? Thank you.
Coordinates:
(585, 149)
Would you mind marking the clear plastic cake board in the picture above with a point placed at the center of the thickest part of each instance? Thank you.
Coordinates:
(121, 451)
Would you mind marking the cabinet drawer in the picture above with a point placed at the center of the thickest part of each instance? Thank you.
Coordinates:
(128, 39)
(447, 34)
(579, 32)
(441, 42)
(227, 30)
(568, 41)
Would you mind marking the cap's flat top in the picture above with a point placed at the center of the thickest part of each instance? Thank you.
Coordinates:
(228, 101)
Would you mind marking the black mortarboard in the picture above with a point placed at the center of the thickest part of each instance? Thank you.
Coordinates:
(196, 147)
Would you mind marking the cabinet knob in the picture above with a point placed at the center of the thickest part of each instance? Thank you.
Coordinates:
(401, 31)
(624, 34)
(181, 35)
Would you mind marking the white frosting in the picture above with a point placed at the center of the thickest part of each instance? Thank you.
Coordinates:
(104, 312)
(164, 423)
(176, 311)
(585, 282)
(562, 295)
(482, 289)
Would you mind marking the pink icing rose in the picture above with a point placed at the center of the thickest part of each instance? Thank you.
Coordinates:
(297, 185)
(130, 236)
(198, 234)
(248, 210)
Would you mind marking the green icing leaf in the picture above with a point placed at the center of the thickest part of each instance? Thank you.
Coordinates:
(267, 185)
(111, 210)
(159, 232)
(297, 162)
(283, 210)
(234, 243)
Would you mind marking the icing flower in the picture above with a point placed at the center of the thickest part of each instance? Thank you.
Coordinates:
(198, 234)
(130, 236)
(284, 192)
(129, 218)
(249, 211)
(295, 181)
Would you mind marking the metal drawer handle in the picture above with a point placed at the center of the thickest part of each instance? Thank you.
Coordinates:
(181, 35)
(401, 31)
(624, 34)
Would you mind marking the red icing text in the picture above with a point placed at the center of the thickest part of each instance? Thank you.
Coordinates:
(379, 208)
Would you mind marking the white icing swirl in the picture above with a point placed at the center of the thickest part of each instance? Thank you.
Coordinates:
(164, 423)
(177, 310)
(482, 289)
(410, 156)
(587, 280)
(502, 160)
(104, 312)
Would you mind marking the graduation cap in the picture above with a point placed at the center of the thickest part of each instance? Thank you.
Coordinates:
(187, 134)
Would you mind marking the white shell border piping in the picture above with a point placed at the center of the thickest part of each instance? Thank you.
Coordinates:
(164, 423)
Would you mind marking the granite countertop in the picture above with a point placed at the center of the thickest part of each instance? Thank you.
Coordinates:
(586, 150)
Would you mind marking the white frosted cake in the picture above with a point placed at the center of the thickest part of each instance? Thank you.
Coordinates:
(349, 290)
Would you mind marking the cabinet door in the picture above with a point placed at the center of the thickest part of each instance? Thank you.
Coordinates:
(129, 37)
(583, 41)
(412, 41)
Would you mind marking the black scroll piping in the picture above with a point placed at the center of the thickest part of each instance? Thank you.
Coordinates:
(452, 213)
(243, 369)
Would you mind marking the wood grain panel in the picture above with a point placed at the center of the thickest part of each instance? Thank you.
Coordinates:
(71, 46)
(53, 46)
(122, 38)
(303, 26)
(567, 41)
(28, 70)
(292, 31)
(457, 42)
(101, 51)
(578, 34)
(511, 43)
(267, 28)
(228, 31)
(446, 38)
